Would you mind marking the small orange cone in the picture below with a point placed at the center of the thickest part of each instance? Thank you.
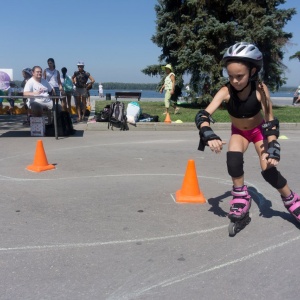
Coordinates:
(168, 119)
(40, 162)
(190, 191)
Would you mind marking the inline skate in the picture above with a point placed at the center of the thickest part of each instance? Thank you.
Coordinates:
(239, 210)
(292, 204)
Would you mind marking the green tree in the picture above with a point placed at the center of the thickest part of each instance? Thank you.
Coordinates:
(296, 55)
(193, 35)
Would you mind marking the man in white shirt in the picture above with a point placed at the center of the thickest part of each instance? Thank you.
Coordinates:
(36, 86)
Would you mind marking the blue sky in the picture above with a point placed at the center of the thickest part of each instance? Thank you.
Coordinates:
(112, 37)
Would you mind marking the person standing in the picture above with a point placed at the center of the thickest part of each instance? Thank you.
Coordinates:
(67, 85)
(248, 103)
(53, 77)
(169, 87)
(100, 90)
(80, 79)
(296, 98)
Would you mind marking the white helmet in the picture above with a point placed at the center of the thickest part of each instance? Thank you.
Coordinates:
(244, 51)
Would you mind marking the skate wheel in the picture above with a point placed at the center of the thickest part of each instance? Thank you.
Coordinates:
(231, 229)
(248, 221)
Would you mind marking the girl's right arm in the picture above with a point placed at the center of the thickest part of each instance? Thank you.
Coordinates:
(203, 119)
(220, 96)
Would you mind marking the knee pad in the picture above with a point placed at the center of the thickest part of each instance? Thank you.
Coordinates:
(274, 177)
(235, 164)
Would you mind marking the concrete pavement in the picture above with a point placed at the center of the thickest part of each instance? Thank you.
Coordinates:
(104, 223)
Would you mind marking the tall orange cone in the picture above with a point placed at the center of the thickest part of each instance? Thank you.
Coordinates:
(168, 119)
(40, 162)
(190, 191)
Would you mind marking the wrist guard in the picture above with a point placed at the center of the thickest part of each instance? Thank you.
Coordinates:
(274, 150)
(268, 128)
(206, 134)
(201, 117)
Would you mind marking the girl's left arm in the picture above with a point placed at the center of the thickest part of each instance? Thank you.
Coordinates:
(272, 155)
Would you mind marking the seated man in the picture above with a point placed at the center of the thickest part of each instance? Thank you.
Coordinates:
(37, 86)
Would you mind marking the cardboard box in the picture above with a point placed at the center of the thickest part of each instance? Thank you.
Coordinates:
(37, 126)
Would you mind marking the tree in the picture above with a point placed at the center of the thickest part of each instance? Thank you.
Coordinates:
(296, 55)
(194, 34)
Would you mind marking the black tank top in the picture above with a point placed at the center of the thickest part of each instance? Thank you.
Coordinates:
(243, 108)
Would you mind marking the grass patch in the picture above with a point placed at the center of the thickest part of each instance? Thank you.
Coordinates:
(187, 112)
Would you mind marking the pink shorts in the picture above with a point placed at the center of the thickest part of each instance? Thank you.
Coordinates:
(254, 135)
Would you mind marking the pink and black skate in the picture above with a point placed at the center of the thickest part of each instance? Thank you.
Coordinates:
(239, 210)
(292, 204)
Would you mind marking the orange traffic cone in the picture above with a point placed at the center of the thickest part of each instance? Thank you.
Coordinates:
(168, 119)
(190, 192)
(40, 162)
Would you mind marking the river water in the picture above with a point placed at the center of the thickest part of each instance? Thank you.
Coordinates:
(146, 94)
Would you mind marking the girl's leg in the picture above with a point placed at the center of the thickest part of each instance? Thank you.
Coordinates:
(83, 107)
(241, 201)
(167, 101)
(176, 108)
(64, 104)
(78, 108)
(260, 148)
(238, 144)
(290, 199)
(69, 108)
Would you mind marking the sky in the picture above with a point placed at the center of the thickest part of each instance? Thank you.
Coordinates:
(112, 37)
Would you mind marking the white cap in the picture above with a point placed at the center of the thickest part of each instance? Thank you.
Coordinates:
(80, 63)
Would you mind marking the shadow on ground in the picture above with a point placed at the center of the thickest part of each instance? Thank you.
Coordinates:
(264, 205)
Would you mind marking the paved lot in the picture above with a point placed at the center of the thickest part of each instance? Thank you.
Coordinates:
(104, 224)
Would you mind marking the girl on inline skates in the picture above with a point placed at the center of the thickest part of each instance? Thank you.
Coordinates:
(248, 102)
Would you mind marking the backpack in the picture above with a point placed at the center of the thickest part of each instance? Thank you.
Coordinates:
(117, 116)
(104, 114)
(64, 125)
(68, 84)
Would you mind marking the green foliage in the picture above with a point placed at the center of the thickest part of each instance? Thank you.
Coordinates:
(296, 55)
(285, 114)
(194, 34)
(118, 86)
